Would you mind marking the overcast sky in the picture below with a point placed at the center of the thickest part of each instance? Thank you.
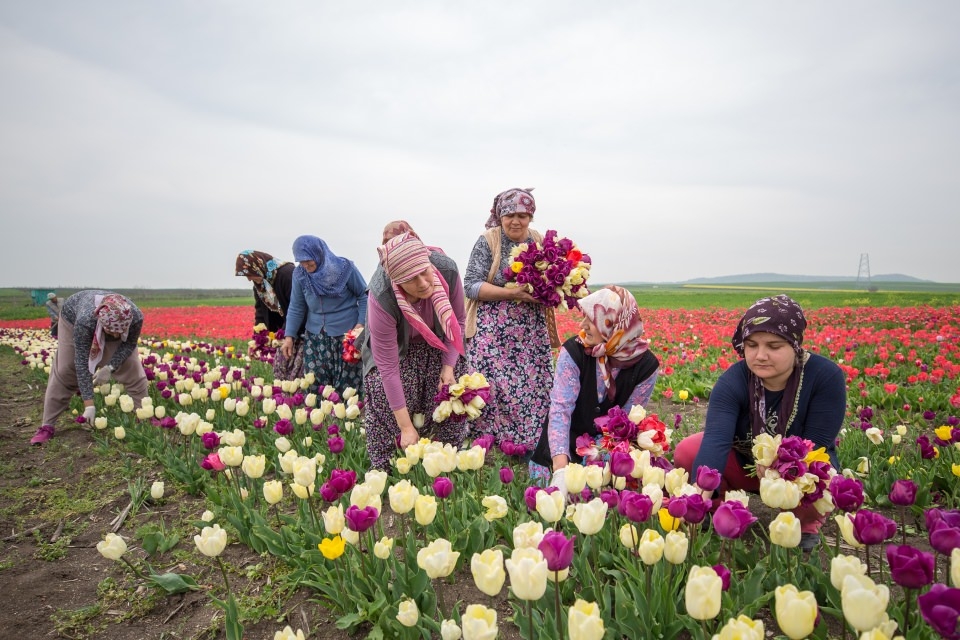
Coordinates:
(143, 144)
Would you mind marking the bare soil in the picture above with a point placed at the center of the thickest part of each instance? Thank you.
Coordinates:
(59, 500)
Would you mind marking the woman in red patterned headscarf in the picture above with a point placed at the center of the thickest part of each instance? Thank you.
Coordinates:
(97, 341)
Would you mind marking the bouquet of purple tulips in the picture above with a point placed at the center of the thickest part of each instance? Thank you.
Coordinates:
(554, 272)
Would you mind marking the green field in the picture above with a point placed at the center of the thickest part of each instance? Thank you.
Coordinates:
(16, 304)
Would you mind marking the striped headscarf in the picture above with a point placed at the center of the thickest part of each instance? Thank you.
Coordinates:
(114, 313)
(262, 265)
(511, 201)
(404, 257)
(616, 315)
(332, 274)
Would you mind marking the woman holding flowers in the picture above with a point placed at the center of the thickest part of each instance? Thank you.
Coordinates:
(607, 364)
(97, 341)
(272, 284)
(412, 346)
(510, 333)
(329, 297)
(777, 388)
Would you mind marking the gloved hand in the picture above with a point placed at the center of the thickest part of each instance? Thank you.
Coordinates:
(559, 480)
(89, 413)
(102, 376)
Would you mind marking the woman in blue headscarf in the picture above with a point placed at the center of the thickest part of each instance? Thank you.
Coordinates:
(329, 296)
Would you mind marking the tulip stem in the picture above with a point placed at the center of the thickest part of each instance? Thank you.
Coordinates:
(908, 598)
(223, 570)
(866, 549)
(530, 618)
(440, 600)
(556, 591)
(903, 525)
(138, 573)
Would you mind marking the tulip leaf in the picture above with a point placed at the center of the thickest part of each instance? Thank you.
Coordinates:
(174, 582)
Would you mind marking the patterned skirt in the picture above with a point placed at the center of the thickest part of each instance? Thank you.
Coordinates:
(288, 369)
(512, 349)
(323, 355)
(420, 376)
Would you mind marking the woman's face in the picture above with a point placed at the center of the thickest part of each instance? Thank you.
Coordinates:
(259, 279)
(590, 331)
(420, 286)
(515, 225)
(309, 265)
(770, 357)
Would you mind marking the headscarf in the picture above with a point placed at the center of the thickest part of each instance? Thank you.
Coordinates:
(264, 266)
(514, 200)
(332, 273)
(114, 313)
(403, 258)
(616, 315)
(395, 228)
(782, 316)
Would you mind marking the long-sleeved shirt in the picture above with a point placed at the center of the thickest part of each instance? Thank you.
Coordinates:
(566, 391)
(282, 287)
(383, 341)
(53, 309)
(820, 407)
(78, 310)
(333, 315)
(481, 259)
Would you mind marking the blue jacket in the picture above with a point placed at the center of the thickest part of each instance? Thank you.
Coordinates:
(334, 315)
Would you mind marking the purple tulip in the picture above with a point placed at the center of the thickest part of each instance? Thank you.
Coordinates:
(677, 507)
(334, 397)
(847, 493)
(530, 497)
(929, 415)
(903, 493)
(635, 507)
(724, 574)
(940, 608)
(707, 479)
(621, 464)
(442, 487)
(557, 549)
(870, 527)
(336, 444)
(909, 567)
(328, 492)
(343, 480)
(506, 475)
(927, 450)
(333, 430)
(284, 427)
(210, 440)
(611, 497)
(360, 520)
(486, 441)
(944, 536)
(732, 519)
(166, 422)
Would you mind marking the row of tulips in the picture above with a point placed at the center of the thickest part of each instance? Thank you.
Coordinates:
(633, 556)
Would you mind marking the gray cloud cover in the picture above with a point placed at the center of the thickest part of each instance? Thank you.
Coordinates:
(145, 144)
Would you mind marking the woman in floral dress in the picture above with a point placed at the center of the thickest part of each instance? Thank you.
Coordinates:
(510, 333)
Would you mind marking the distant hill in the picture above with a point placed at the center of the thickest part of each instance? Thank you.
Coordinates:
(779, 277)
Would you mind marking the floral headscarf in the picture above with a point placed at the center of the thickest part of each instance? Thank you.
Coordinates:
(782, 316)
(332, 274)
(404, 257)
(262, 265)
(514, 200)
(616, 315)
(114, 314)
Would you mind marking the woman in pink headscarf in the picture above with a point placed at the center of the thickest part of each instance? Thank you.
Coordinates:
(97, 341)
(412, 345)
(607, 364)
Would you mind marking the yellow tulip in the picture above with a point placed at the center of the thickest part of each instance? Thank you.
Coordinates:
(796, 611)
(438, 559)
(211, 541)
(650, 547)
(383, 548)
(675, 547)
(842, 566)
(528, 573)
(683, 394)
(589, 517)
(425, 509)
(817, 455)
(550, 506)
(955, 468)
(785, 530)
(408, 614)
(741, 628)
(273, 491)
(864, 602)
(667, 521)
(488, 572)
(527, 535)
(944, 432)
(403, 496)
(332, 548)
(702, 593)
(479, 623)
(112, 547)
(333, 520)
(584, 621)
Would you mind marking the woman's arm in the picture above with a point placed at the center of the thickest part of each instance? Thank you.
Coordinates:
(563, 400)
(358, 286)
(641, 393)
(261, 312)
(827, 408)
(723, 412)
(295, 317)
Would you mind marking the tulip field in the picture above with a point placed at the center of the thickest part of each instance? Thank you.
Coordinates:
(458, 543)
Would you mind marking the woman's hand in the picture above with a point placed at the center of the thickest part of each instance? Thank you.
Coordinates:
(287, 347)
(520, 295)
(446, 376)
(408, 436)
